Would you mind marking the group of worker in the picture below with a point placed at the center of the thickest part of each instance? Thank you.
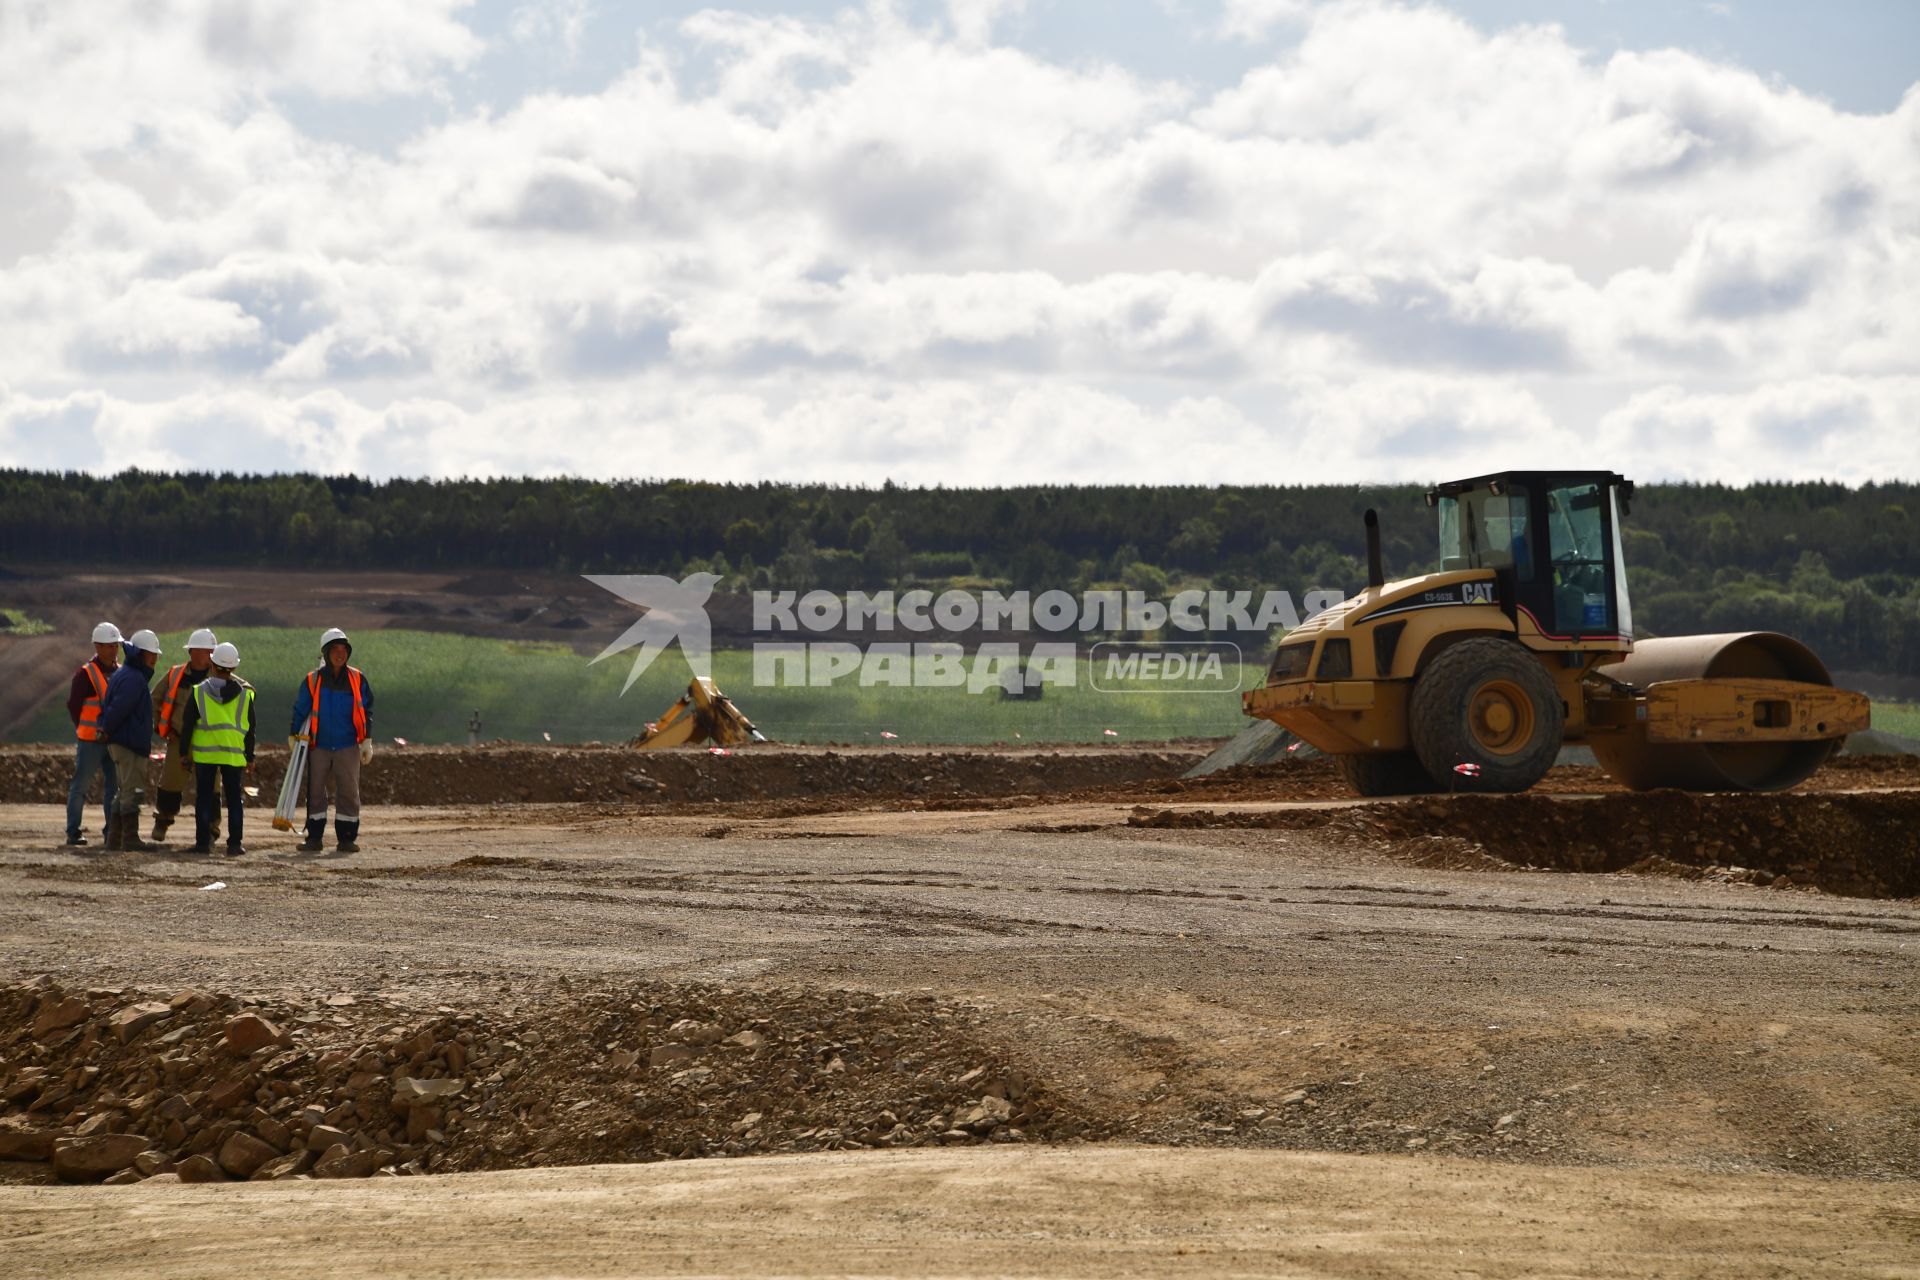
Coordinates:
(205, 716)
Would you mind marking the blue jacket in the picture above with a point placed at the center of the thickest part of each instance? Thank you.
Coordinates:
(336, 711)
(126, 713)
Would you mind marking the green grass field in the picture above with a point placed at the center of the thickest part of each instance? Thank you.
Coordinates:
(427, 685)
(1897, 717)
(14, 622)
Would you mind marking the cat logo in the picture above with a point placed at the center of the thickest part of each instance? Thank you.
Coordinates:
(1476, 593)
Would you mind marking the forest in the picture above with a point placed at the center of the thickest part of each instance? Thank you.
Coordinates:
(1835, 565)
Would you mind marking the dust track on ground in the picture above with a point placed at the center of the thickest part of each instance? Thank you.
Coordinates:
(1069, 1212)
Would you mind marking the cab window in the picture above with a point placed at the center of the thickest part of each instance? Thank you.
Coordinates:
(1484, 530)
(1577, 538)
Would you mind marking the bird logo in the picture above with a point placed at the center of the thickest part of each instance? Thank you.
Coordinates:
(675, 610)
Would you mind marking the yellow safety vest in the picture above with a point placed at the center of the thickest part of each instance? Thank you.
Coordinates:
(221, 735)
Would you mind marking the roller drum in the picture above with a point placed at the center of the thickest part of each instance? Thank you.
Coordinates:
(1712, 766)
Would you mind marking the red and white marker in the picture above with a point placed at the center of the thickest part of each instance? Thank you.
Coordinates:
(1467, 769)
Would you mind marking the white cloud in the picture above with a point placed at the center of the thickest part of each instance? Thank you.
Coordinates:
(563, 23)
(1853, 429)
(841, 430)
(1257, 19)
(856, 248)
(96, 74)
(974, 20)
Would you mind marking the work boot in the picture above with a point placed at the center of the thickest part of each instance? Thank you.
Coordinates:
(78, 840)
(235, 849)
(201, 846)
(316, 831)
(161, 821)
(116, 824)
(130, 841)
(345, 835)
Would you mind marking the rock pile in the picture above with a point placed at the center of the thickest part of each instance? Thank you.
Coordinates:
(712, 1071)
(121, 1086)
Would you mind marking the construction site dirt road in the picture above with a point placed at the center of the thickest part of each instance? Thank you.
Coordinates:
(1088, 1026)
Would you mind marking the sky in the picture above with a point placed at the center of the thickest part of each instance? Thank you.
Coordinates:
(962, 242)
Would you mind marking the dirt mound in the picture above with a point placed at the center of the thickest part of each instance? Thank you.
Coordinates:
(1318, 778)
(496, 583)
(519, 774)
(1863, 845)
(124, 1085)
(1869, 771)
(1289, 778)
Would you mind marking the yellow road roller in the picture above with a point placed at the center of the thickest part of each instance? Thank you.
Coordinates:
(1472, 678)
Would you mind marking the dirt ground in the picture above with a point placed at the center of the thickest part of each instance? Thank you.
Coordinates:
(1070, 1212)
(1128, 1027)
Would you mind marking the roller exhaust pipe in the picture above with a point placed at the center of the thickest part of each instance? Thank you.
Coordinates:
(1376, 576)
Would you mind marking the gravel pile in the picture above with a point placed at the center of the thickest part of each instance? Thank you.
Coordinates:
(121, 1085)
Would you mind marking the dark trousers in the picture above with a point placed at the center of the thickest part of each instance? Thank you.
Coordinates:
(89, 758)
(203, 801)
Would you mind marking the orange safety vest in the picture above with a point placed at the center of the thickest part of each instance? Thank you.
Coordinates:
(359, 706)
(88, 730)
(163, 718)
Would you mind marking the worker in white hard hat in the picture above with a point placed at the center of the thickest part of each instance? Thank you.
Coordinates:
(175, 692)
(333, 712)
(217, 731)
(84, 700)
(126, 717)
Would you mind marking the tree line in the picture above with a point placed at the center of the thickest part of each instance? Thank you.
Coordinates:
(1838, 566)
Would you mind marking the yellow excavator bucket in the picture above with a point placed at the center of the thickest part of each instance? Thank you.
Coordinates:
(703, 714)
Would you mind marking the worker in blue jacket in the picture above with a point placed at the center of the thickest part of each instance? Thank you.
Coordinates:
(333, 713)
(126, 720)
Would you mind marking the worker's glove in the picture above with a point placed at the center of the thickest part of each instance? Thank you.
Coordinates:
(366, 750)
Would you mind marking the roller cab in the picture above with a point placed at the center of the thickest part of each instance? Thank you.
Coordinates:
(1473, 677)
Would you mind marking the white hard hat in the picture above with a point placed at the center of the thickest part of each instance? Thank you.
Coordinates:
(227, 655)
(145, 641)
(201, 639)
(107, 633)
(332, 635)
